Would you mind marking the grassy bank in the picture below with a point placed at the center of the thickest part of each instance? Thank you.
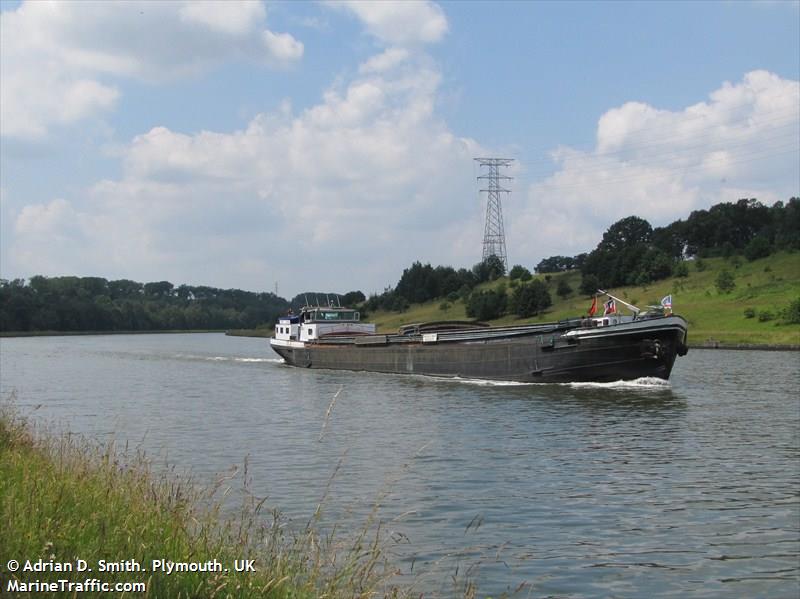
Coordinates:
(763, 288)
(64, 499)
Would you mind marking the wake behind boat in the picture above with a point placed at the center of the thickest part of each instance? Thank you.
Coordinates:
(593, 349)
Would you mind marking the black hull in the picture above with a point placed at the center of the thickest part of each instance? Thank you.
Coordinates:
(617, 353)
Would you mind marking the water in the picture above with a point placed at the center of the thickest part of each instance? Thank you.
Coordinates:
(690, 488)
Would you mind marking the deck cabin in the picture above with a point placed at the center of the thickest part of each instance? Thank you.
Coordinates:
(315, 322)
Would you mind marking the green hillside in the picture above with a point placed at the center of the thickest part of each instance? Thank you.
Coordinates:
(763, 287)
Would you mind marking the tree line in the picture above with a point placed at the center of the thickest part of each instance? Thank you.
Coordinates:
(632, 252)
(96, 304)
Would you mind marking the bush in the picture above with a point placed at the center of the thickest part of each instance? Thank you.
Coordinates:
(563, 289)
(531, 299)
(700, 265)
(725, 282)
(759, 247)
(590, 284)
(791, 313)
(765, 316)
(749, 313)
(487, 305)
(681, 270)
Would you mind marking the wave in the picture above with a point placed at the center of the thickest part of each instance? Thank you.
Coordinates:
(645, 382)
(489, 383)
(228, 359)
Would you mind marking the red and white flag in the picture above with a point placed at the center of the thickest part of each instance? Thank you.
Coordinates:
(610, 307)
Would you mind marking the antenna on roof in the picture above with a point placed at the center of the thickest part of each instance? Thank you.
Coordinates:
(306, 296)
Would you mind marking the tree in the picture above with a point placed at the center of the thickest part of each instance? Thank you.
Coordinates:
(353, 298)
(160, 289)
(759, 247)
(517, 272)
(626, 233)
(490, 269)
(559, 263)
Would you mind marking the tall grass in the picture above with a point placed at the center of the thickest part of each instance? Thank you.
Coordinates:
(63, 498)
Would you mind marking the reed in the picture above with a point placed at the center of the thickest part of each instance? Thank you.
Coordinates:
(63, 498)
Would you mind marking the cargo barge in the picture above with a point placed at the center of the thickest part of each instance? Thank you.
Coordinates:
(607, 348)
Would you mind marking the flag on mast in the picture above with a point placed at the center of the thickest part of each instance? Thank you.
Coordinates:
(666, 302)
(610, 307)
(593, 308)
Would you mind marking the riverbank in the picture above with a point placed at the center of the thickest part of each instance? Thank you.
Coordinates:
(68, 505)
(82, 333)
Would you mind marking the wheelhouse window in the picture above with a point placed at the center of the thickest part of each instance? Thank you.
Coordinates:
(333, 315)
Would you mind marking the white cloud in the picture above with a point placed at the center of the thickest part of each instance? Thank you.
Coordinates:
(44, 219)
(344, 194)
(227, 16)
(661, 164)
(399, 22)
(58, 59)
(385, 61)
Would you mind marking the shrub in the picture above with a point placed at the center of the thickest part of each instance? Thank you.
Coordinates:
(759, 247)
(749, 313)
(563, 289)
(725, 282)
(765, 316)
(487, 305)
(700, 265)
(791, 313)
(528, 300)
(681, 270)
(589, 284)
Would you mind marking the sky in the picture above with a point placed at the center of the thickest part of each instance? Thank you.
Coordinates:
(328, 145)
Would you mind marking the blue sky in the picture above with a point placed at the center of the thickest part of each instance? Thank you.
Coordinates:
(330, 144)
